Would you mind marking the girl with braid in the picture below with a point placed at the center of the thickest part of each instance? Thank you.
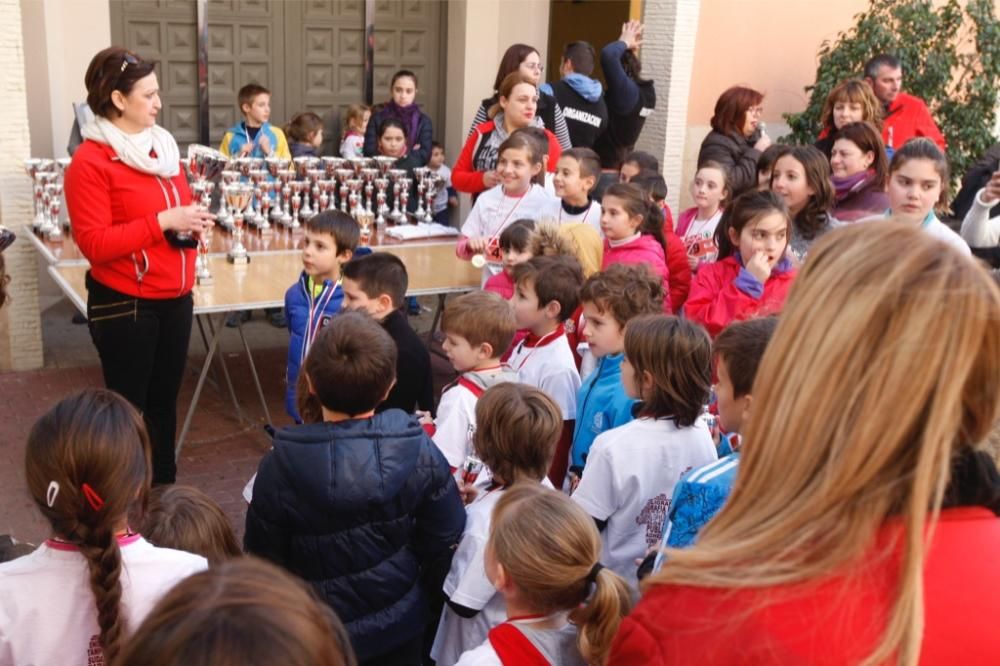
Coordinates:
(76, 598)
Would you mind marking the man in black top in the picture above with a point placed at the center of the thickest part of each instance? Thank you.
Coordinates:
(581, 97)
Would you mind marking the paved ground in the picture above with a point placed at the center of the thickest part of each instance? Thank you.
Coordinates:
(221, 452)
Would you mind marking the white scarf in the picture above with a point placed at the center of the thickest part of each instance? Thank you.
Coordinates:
(134, 149)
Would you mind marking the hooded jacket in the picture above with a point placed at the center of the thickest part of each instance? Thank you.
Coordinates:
(643, 250)
(237, 135)
(423, 138)
(725, 291)
(735, 152)
(582, 102)
(367, 512)
(601, 404)
(480, 154)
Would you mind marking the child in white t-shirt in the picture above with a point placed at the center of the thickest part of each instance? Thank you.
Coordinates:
(516, 197)
(576, 176)
(519, 427)
(696, 225)
(632, 470)
(478, 328)
(546, 293)
(86, 466)
(562, 606)
(446, 197)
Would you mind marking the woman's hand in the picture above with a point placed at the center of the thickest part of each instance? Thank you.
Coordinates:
(763, 143)
(632, 35)
(991, 192)
(192, 218)
(490, 179)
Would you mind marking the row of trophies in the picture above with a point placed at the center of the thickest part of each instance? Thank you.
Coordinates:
(268, 192)
(47, 193)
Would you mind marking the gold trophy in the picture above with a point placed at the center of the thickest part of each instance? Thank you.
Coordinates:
(238, 197)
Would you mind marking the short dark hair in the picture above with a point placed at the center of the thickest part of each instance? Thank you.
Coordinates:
(652, 183)
(481, 316)
(590, 163)
(765, 163)
(646, 161)
(556, 278)
(111, 69)
(880, 61)
(677, 353)
(437, 144)
(922, 148)
(624, 291)
(248, 94)
(740, 346)
(392, 122)
(581, 55)
(517, 427)
(351, 364)
(401, 74)
(341, 226)
(518, 235)
(379, 273)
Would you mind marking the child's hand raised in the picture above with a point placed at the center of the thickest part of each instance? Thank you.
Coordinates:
(490, 179)
(245, 149)
(265, 144)
(759, 266)
(479, 244)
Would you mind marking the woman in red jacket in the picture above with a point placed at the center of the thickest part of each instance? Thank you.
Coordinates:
(475, 169)
(128, 199)
(752, 276)
(862, 527)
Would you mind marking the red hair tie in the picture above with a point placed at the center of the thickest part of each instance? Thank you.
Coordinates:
(93, 499)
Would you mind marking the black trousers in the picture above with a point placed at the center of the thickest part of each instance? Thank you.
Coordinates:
(143, 345)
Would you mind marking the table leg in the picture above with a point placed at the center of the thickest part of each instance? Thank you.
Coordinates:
(197, 390)
(225, 373)
(437, 315)
(253, 371)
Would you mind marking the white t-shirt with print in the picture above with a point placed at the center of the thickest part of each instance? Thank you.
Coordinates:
(558, 215)
(550, 368)
(495, 211)
(47, 609)
(629, 480)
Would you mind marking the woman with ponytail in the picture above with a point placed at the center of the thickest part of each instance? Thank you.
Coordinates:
(633, 232)
(74, 599)
(862, 527)
(563, 607)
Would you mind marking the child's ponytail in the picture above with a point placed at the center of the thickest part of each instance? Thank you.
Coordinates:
(549, 548)
(87, 464)
(637, 201)
(598, 619)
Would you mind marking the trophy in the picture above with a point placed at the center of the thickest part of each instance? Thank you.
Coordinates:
(383, 163)
(343, 175)
(365, 223)
(259, 179)
(297, 186)
(433, 183)
(420, 173)
(201, 272)
(53, 196)
(62, 163)
(204, 164)
(33, 167)
(395, 175)
(404, 196)
(381, 185)
(47, 181)
(312, 188)
(280, 213)
(238, 196)
(331, 164)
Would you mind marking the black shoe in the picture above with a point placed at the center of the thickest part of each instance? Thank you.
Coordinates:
(233, 322)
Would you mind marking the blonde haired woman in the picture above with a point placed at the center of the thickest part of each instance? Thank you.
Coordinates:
(862, 525)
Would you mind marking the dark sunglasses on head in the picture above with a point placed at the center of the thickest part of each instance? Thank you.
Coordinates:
(7, 238)
(127, 60)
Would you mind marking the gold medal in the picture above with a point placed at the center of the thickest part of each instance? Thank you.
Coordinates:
(478, 260)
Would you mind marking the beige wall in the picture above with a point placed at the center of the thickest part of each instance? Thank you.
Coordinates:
(60, 38)
(479, 31)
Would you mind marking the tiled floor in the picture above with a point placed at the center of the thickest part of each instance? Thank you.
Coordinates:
(221, 453)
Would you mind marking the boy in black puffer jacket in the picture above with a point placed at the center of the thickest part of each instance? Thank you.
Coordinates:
(361, 505)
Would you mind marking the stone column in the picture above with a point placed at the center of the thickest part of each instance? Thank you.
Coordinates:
(668, 58)
(20, 321)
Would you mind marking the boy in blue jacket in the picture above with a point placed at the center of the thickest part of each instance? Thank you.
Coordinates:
(360, 505)
(255, 136)
(330, 240)
(609, 299)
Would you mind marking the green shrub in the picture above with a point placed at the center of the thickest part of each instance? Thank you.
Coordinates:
(950, 57)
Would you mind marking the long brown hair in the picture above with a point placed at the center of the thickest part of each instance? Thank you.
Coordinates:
(245, 611)
(87, 464)
(511, 62)
(549, 547)
(746, 209)
(113, 68)
(824, 469)
(815, 214)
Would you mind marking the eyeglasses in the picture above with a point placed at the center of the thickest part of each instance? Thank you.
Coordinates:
(535, 66)
(755, 110)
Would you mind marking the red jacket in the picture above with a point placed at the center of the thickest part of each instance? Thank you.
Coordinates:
(722, 292)
(643, 250)
(465, 178)
(838, 620)
(113, 211)
(679, 268)
(906, 118)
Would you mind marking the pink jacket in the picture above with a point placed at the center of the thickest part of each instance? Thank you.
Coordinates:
(643, 250)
